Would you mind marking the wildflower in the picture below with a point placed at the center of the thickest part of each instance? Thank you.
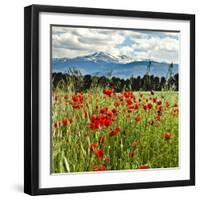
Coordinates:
(103, 110)
(136, 106)
(114, 132)
(137, 118)
(108, 92)
(157, 118)
(143, 167)
(116, 104)
(99, 168)
(167, 136)
(93, 146)
(70, 120)
(167, 104)
(114, 110)
(149, 105)
(101, 139)
(99, 153)
(159, 102)
(55, 125)
(145, 107)
(64, 122)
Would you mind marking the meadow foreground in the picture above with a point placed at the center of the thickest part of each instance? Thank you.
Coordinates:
(102, 130)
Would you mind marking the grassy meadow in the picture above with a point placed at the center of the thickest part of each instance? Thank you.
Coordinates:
(100, 129)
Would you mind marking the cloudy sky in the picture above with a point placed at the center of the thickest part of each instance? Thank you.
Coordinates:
(136, 45)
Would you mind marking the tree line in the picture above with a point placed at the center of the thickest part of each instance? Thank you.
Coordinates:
(81, 82)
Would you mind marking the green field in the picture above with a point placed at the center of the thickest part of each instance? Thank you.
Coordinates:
(102, 130)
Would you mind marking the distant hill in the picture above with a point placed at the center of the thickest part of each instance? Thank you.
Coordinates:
(101, 64)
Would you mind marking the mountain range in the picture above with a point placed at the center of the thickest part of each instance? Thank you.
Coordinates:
(102, 64)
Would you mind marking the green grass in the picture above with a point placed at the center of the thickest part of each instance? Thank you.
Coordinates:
(138, 143)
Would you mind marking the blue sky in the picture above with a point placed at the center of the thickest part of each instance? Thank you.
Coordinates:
(135, 45)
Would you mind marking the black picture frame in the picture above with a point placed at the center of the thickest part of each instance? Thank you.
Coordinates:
(31, 98)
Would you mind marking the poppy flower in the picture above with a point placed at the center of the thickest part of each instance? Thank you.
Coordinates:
(143, 167)
(99, 153)
(96, 168)
(101, 139)
(108, 92)
(167, 136)
(114, 110)
(99, 168)
(157, 118)
(70, 120)
(64, 122)
(159, 102)
(114, 132)
(137, 118)
(103, 110)
(149, 106)
(116, 104)
(129, 102)
(103, 168)
(167, 104)
(145, 107)
(55, 125)
(136, 106)
(93, 146)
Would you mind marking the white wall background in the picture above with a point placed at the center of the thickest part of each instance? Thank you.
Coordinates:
(11, 98)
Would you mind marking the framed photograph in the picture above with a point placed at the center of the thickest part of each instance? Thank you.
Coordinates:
(109, 99)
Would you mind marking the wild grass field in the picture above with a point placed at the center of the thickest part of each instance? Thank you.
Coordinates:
(100, 130)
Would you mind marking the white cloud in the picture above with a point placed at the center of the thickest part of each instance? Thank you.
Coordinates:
(137, 45)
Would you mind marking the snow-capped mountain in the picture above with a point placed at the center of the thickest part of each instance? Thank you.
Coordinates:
(101, 64)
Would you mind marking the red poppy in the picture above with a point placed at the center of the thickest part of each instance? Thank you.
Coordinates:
(159, 102)
(167, 104)
(70, 120)
(96, 168)
(167, 136)
(129, 101)
(101, 139)
(149, 105)
(157, 118)
(114, 110)
(64, 122)
(99, 153)
(143, 167)
(137, 118)
(93, 146)
(108, 92)
(145, 107)
(154, 100)
(136, 106)
(85, 114)
(55, 125)
(77, 101)
(114, 132)
(103, 110)
(116, 104)
(99, 168)
(103, 167)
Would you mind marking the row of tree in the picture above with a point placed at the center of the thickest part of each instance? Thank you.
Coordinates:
(79, 82)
